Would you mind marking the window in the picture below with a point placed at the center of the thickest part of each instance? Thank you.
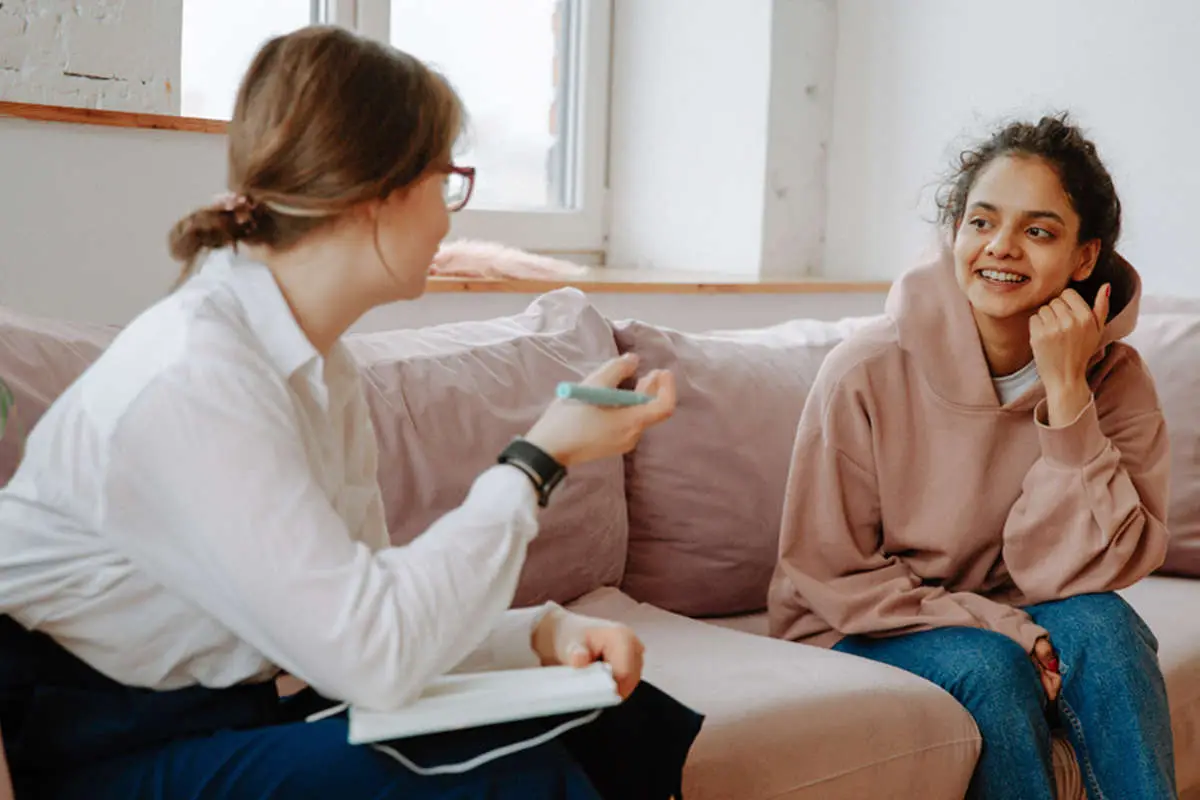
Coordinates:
(215, 53)
(502, 59)
(533, 75)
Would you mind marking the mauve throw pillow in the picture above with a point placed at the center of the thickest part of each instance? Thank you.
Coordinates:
(1170, 345)
(705, 489)
(446, 400)
(39, 359)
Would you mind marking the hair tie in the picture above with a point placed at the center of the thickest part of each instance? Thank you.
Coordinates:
(241, 207)
(244, 208)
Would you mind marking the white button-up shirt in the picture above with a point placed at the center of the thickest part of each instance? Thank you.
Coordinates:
(201, 507)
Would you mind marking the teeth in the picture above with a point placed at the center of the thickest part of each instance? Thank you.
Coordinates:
(1006, 277)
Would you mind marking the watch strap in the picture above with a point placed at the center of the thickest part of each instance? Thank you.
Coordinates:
(542, 469)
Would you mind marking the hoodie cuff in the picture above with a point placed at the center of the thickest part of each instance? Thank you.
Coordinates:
(1075, 444)
(1016, 624)
(1024, 631)
(1029, 635)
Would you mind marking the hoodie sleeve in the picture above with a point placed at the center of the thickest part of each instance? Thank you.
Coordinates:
(1091, 511)
(833, 571)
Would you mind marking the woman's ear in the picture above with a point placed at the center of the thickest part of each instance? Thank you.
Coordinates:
(1089, 253)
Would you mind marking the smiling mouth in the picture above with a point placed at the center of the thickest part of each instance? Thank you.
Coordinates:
(1000, 276)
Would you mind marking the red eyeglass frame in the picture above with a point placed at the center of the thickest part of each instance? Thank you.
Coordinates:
(469, 174)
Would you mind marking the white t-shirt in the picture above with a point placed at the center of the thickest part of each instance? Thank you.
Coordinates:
(1011, 387)
(201, 507)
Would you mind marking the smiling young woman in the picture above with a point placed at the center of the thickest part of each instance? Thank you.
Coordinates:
(998, 375)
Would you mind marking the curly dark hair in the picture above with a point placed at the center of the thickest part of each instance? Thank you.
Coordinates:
(1085, 179)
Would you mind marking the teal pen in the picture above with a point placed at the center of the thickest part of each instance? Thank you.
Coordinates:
(601, 396)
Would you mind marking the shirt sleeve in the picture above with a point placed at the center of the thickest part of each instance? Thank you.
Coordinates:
(509, 644)
(209, 490)
(1091, 514)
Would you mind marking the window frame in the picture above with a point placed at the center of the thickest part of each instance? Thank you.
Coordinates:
(579, 231)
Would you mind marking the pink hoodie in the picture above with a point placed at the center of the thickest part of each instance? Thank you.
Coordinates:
(916, 501)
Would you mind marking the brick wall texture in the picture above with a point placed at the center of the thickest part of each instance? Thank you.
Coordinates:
(119, 55)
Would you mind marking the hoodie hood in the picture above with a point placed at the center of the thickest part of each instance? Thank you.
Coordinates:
(937, 329)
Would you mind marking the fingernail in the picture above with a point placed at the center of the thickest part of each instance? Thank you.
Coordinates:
(576, 650)
(1108, 290)
(1052, 664)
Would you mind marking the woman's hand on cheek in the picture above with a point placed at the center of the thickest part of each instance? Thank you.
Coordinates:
(1065, 334)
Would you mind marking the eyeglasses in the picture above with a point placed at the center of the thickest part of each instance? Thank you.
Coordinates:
(457, 186)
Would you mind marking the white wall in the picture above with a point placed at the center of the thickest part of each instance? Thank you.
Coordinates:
(721, 113)
(84, 215)
(120, 55)
(803, 42)
(85, 211)
(694, 172)
(689, 134)
(913, 77)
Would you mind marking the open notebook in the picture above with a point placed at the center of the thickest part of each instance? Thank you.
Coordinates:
(472, 700)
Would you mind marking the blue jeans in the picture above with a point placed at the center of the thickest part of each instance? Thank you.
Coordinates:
(1113, 702)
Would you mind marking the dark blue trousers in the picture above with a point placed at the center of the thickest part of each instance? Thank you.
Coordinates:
(70, 733)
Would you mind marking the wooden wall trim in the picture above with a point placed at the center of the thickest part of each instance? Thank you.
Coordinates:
(117, 119)
(606, 280)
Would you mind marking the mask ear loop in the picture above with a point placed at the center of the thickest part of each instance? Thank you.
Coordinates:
(317, 213)
(379, 254)
(389, 748)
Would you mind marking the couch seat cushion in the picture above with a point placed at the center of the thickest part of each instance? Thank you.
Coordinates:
(1169, 607)
(792, 721)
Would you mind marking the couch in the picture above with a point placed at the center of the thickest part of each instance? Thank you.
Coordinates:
(678, 539)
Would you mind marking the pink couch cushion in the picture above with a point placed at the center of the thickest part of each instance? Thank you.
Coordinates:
(1169, 341)
(705, 490)
(787, 721)
(446, 400)
(39, 359)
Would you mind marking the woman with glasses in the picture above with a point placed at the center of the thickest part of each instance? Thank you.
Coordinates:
(199, 513)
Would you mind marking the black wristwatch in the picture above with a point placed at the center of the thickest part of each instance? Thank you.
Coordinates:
(543, 469)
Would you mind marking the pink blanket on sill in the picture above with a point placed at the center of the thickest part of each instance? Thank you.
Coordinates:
(474, 259)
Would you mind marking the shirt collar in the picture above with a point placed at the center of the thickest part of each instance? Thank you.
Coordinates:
(267, 312)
